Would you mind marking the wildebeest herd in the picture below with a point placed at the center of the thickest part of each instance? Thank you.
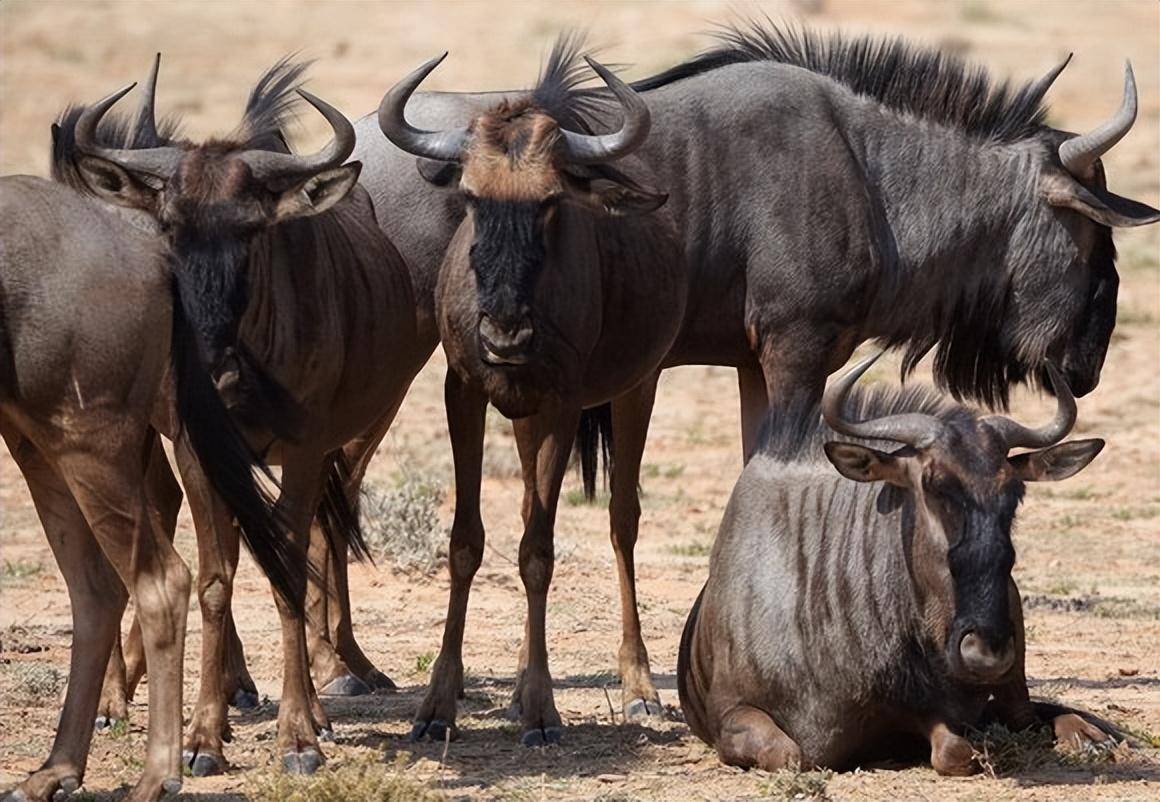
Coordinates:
(768, 205)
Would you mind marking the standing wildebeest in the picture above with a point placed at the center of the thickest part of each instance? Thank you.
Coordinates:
(92, 365)
(303, 313)
(559, 291)
(820, 186)
(840, 619)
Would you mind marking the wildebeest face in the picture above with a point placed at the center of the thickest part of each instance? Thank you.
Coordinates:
(965, 491)
(1073, 183)
(515, 165)
(211, 200)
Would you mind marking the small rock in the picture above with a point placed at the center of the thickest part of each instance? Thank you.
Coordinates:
(611, 778)
(1129, 672)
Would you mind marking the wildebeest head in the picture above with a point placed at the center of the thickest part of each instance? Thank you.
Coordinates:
(1072, 182)
(516, 165)
(966, 490)
(212, 199)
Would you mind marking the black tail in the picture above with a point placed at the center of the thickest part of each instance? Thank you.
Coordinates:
(339, 518)
(1046, 711)
(593, 440)
(230, 464)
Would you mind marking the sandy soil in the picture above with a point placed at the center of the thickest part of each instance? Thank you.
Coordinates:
(1089, 549)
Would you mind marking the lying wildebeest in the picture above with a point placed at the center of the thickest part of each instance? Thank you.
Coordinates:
(303, 313)
(821, 185)
(92, 365)
(841, 618)
(562, 288)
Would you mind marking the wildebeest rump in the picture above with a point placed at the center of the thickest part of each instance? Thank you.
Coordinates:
(822, 185)
(842, 617)
(303, 312)
(561, 289)
(87, 379)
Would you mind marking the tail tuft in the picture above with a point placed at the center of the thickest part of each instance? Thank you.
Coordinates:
(338, 517)
(593, 440)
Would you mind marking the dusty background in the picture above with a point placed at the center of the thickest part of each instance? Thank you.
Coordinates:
(1089, 549)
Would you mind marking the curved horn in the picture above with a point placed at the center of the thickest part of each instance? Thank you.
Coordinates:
(589, 149)
(146, 111)
(913, 429)
(270, 166)
(1080, 153)
(1016, 435)
(446, 146)
(160, 162)
(1039, 88)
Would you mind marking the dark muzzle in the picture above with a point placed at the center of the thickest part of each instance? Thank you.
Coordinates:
(985, 658)
(505, 343)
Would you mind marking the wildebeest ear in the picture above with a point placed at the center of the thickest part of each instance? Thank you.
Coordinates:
(112, 182)
(318, 193)
(1058, 462)
(864, 464)
(440, 174)
(1099, 205)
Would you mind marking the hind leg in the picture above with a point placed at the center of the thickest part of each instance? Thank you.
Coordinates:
(97, 599)
(748, 737)
(127, 662)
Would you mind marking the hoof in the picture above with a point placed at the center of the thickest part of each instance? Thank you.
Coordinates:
(641, 710)
(326, 734)
(203, 764)
(380, 682)
(15, 795)
(171, 787)
(67, 788)
(346, 685)
(104, 724)
(307, 761)
(542, 737)
(434, 730)
(244, 700)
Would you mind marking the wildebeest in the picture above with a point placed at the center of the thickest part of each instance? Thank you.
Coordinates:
(87, 378)
(304, 315)
(822, 184)
(562, 288)
(842, 617)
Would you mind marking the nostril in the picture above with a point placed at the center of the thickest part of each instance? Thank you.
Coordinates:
(506, 336)
(981, 657)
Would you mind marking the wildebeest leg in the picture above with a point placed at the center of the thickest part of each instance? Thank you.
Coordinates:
(300, 716)
(754, 406)
(109, 485)
(113, 706)
(127, 663)
(337, 662)
(97, 598)
(748, 737)
(793, 381)
(466, 412)
(217, 558)
(1011, 705)
(239, 687)
(950, 754)
(630, 419)
(545, 443)
(358, 454)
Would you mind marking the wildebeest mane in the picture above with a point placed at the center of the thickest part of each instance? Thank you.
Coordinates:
(797, 434)
(270, 107)
(558, 91)
(911, 79)
(115, 131)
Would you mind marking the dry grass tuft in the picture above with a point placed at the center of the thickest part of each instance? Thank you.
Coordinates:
(1001, 752)
(401, 523)
(34, 683)
(360, 781)
(793, 784)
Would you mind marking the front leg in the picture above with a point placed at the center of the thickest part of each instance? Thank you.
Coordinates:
(545, 443)
(466, 412)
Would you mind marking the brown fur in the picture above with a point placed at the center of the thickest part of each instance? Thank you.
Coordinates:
(512, 155)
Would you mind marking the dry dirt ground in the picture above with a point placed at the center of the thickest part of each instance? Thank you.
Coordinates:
(1089, 549)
